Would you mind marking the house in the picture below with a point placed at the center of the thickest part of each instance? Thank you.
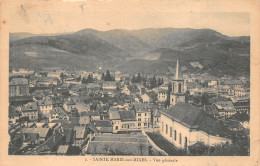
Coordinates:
(13, 115)
(80, 134)
(43, 133)
(68, 133)
(225, 109)
(54, 75)
(20, 100)
(52, 144)
(93, 115)
(57, 101)
(46, 82)
(126, 90)
(143, 115)
(194, 88)
(146, 98)
(84, 120)
(156, 114)
(18, 87)
(118, 144)
(185, 125)
(103, 126)
(30, 110)
(241, 104)
(162, 95)
(122, 121)
(109, 85)
(164, 87)
(57, 114)
(69, 105)
(45, 105)
(63, 150)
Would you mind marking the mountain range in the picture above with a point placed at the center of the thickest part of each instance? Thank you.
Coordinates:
(146, 50)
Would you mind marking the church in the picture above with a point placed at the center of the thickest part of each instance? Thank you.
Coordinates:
(184, 125)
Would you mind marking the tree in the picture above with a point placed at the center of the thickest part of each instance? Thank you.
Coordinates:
(133, 79)
(168, 95)
(138, 79)
(204, 99)
(62, 77)
(108, 76)
(89, 79)
(159, 82)
(103, 76)
(153, 82)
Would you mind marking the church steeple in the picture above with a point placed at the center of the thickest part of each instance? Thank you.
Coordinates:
(178, 74)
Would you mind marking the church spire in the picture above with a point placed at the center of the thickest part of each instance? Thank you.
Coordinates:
(178, 74)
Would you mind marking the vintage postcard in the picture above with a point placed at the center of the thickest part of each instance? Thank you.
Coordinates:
(145, 82)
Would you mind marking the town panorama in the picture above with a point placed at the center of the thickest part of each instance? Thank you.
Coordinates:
(183, 99)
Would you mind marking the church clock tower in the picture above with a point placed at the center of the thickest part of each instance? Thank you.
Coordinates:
(177, 91)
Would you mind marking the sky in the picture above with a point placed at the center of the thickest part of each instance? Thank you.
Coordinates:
(57, 16)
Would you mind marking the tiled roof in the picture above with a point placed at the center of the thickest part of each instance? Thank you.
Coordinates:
(30, 107)
(80, 131)
(101, 123)
(127, 115)
(18, 81)
(46, 101)
(195, 118)
(84, 120)
(13, 112)
(114, 114)
(41, 131)
(63, 149)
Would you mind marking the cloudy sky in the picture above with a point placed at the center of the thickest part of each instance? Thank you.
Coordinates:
(57, 16)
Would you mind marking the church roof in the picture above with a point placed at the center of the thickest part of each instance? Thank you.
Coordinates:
(195, 118)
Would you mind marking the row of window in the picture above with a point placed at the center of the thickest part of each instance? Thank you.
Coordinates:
(139, 114)
(175, 134)
(139, 119)
(179, 88)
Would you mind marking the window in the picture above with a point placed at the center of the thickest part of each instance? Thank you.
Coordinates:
(179, 88)
(139, 114)
(186, 142)
(172, 87)
(175, 134)
(139, 119)
(162, 126)
(166, 130)
(170, 131)
(145, 124)
(145, 114)
(139, 124)
(180, 139)
(116, 127)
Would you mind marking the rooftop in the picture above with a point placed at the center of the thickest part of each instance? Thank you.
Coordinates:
(195, 118)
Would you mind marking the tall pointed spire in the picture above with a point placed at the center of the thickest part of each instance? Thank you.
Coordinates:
(178, 74)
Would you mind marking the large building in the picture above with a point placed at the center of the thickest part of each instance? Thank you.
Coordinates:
(185, 125)
(18, 87)
(177, 91)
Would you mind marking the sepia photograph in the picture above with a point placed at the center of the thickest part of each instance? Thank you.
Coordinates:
(141, 79)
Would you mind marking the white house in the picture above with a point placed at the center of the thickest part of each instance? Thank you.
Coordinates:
(126, 90)
(184, 125)
(143, 115)
(146, 98)
(45, 105)
(123, 121)
(162, 95)
(109, 85)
